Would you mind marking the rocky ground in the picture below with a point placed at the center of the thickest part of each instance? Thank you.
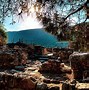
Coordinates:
(29, 78)
(48, 75)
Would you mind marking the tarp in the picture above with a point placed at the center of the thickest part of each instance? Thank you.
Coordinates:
(35, 37)
(62, 44)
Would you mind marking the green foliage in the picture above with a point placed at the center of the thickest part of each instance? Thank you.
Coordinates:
(55, 15)
(79, 35)
(3, 33)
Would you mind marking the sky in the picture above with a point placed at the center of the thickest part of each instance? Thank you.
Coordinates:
(27, 22)
(22, 23)
(31, 22)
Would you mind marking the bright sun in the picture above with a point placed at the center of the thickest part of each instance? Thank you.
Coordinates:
(29, 23)
(26, 22)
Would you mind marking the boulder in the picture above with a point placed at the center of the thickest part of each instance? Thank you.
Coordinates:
(50, 66)
(54, 66)
(20, 81)
(79, 63)
(27, 84)
(10, 58)
(65, 68)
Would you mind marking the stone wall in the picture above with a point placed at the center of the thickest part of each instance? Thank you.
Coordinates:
(11, 58)
(16, 82)
(79, 63)
(55, 66)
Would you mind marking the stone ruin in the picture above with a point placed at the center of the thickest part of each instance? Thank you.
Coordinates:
(11, 58)
(55, 66)
(79, 62)
(50, 75)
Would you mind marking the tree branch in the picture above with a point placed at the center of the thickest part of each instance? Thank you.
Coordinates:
(80, 8)
(74, 12)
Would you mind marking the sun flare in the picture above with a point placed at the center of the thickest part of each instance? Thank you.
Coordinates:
(29, 23)
(32, 10)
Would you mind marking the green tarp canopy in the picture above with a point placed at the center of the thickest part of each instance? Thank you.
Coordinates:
(36, 37)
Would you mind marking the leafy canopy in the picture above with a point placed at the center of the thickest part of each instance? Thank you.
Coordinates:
(56, 15)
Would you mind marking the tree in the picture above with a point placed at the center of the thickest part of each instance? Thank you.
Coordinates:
(81, 34)
(3, 36)
(56, 15)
